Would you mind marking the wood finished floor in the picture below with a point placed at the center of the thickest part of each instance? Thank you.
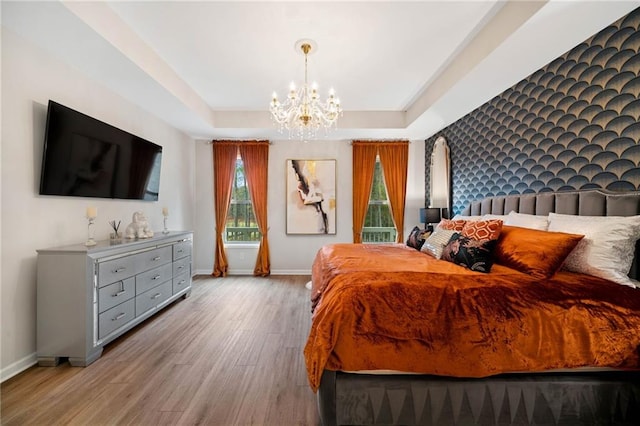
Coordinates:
(231, 354)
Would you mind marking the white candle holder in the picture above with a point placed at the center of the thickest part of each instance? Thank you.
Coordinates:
(165, 230)
(165, 213)
(90, 240)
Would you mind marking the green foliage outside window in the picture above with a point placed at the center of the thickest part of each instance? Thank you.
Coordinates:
(241, 225)
(378, 223)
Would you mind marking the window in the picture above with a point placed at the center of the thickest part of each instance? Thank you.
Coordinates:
(378, 224)
(241, 222)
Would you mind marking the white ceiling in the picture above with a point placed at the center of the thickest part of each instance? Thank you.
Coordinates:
(401, 69)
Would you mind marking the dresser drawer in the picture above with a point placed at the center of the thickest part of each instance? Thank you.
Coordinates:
(152, 278)
(182, 266)
(181, 282)
(181, 249)
(152, 258)
(152, 298)
(116, 293)
(115, 270)
(116, 317)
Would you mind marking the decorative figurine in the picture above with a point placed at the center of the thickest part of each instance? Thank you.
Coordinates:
(139, 228)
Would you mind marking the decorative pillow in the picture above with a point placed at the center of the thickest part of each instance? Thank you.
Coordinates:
(435, 243)
(607, 248)
(472, 254)
(531, 221)
(416, 238)
(452, 224)
(483, 229)
(534, 252)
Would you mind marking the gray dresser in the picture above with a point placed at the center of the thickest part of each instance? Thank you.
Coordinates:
(88, 296)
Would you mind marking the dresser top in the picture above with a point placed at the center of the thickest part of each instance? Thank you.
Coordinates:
(123, 244)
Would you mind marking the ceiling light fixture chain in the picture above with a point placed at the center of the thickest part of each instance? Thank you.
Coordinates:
(303, 113)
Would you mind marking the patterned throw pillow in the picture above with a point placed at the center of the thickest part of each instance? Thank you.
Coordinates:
(483, 229)
(434, 245)
(472, 254)
(416, 238)
(452, 224)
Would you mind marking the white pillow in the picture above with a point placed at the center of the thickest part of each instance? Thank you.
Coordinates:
(607, 249)
(530, 221)
(469, 218)
(501, 217)
(435, 243)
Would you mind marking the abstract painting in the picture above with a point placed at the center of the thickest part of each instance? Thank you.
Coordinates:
(311, 197)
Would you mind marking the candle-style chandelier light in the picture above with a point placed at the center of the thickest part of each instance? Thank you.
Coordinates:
(303, 113)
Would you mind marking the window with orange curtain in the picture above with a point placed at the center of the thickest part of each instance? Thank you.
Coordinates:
(394, 162)
(255, 157)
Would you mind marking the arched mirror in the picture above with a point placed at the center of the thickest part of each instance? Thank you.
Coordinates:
(440, 176)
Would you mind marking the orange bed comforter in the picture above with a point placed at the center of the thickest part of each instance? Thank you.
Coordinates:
(390, 307)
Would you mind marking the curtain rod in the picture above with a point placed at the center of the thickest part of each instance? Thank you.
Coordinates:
(211, 142)
(389, 141)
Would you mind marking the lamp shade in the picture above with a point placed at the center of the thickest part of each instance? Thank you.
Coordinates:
(430, 215)
(433, 215)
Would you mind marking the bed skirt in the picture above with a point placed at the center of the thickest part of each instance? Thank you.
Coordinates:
(609, 398)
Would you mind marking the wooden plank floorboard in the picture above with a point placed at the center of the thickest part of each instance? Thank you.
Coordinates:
(231, 354)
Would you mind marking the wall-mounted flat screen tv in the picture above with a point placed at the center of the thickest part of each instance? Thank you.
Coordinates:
(85, 157)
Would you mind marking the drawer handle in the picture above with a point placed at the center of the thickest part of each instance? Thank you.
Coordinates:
(155, 296)
(115, 271)
(157, 277)
(156, 258)
(119, 316)
(120, 293)
(180, 251)
(181, 267)
(181, 282)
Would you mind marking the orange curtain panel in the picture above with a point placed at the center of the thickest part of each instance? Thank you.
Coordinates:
(255, 156)
(394, 158)
(364, 163)
(224, 163)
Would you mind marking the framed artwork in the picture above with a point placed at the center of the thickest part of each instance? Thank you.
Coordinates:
(311, 197)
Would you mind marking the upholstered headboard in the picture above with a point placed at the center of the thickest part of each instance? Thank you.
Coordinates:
(590, 202)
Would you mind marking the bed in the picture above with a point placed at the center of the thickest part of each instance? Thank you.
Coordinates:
(399, 337)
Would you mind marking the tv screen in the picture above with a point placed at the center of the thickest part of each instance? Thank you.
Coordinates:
(85, 157)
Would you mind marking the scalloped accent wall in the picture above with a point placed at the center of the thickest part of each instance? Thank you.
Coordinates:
(570, 125)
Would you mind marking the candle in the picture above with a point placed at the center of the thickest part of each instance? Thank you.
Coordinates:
(165, 211)
(92, 212)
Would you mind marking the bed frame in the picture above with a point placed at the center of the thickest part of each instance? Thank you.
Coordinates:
(575, 397)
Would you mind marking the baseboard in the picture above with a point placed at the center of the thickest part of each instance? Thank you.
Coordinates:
(18, 367)
(250, 272)
(290, 272)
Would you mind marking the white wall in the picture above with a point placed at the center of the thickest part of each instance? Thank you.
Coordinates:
(293, 254)
(30, 77)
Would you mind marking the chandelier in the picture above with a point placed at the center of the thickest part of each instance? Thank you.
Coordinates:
(303, 113)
